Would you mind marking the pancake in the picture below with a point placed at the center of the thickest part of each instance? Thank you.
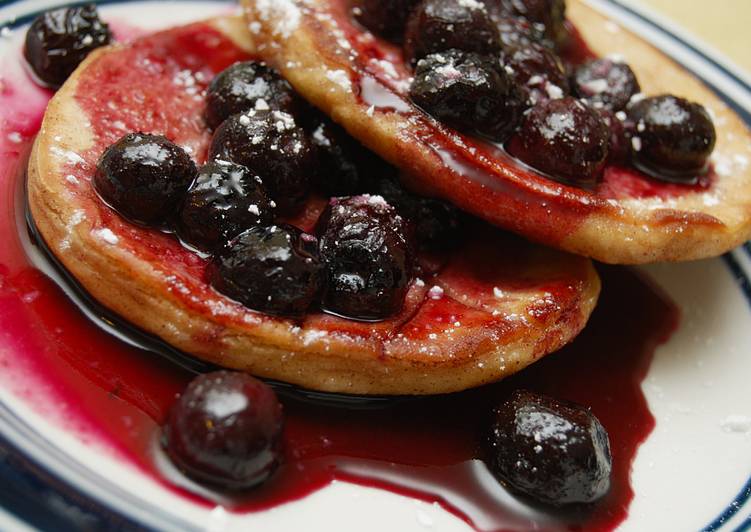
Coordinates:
(497, 304)
(362, 83)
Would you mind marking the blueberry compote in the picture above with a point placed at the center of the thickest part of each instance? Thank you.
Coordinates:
(118, 396)
(60, 39)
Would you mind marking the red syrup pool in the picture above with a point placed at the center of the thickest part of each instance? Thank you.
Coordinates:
(116, 394)
(425, 448)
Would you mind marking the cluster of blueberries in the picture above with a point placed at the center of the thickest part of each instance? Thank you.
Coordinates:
(268, 152)
(495, 68)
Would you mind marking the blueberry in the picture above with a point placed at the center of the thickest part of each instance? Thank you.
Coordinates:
(271, 144)
(565, 139)
(144, 177)
(436, 224)
(550, 15)
(245, 86)
(439, 25)
(619, 147)
(60, 39)
(469, 92)
(673, 138)
(386, 18)
(225, 200)
(345, 167)
(274, 269)
(225, 430)
(537, 71)
(554, 451)
(366, 247)
(605, 83)
(519, 32)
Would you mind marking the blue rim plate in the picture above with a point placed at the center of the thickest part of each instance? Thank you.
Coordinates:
(45, 487)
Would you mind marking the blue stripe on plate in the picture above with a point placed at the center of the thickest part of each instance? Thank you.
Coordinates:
(69, 509)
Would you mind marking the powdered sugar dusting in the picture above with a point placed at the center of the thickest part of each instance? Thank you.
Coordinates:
(107, 235)
(284, 16)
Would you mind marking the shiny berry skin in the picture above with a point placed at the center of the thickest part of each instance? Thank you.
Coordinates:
(518, 32)
(273, 269)
(673, 138)
(554, 451)
(225, 430)
(605, 84)
(386, 18)
(469, 92)
(270, 144)
(619, 147)
(60, 39)
(367, 249)
(245, 86)
(144, 177)
(345, 167)
(550, 14)
(564, 139)
(537, 71)
(224, 200)
(439, 25)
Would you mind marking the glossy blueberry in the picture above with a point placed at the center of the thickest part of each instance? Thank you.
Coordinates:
(469, 92)
(272, 145)
(386, 18)
(554, 451)
(550, 15)
(245, 86)
(537, 71)
(144, 177)
(519, 32)
(605, 83)
(564, 139)
(673, 138)
(60, 39)
(439, 25)
(225, 430)
(224, 200)
(367, 249)
(272, 269)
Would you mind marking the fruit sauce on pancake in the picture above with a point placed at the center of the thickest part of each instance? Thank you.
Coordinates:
(117, 394)
(490, 176)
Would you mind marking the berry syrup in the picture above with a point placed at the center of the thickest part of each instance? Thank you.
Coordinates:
(115, 389)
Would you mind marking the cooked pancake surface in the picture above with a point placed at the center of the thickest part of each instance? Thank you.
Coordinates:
(497, 304)
(362, 82)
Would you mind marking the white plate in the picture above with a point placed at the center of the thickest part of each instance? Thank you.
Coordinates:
(693, 472)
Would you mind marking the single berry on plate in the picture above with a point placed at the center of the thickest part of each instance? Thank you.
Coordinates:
(469, 92)
(565, 139)
(345, 167)
(605, 83)
(673, 138)
(225, 430)
(367, 249)
(224, 200)
(438, 25)
(549, 14)
(437, 224)
(60, 39)
(272, 145)
(537, 71)
(144, 177)
(386, 18)
(273, 269)
(554, 451)
(245, 86)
